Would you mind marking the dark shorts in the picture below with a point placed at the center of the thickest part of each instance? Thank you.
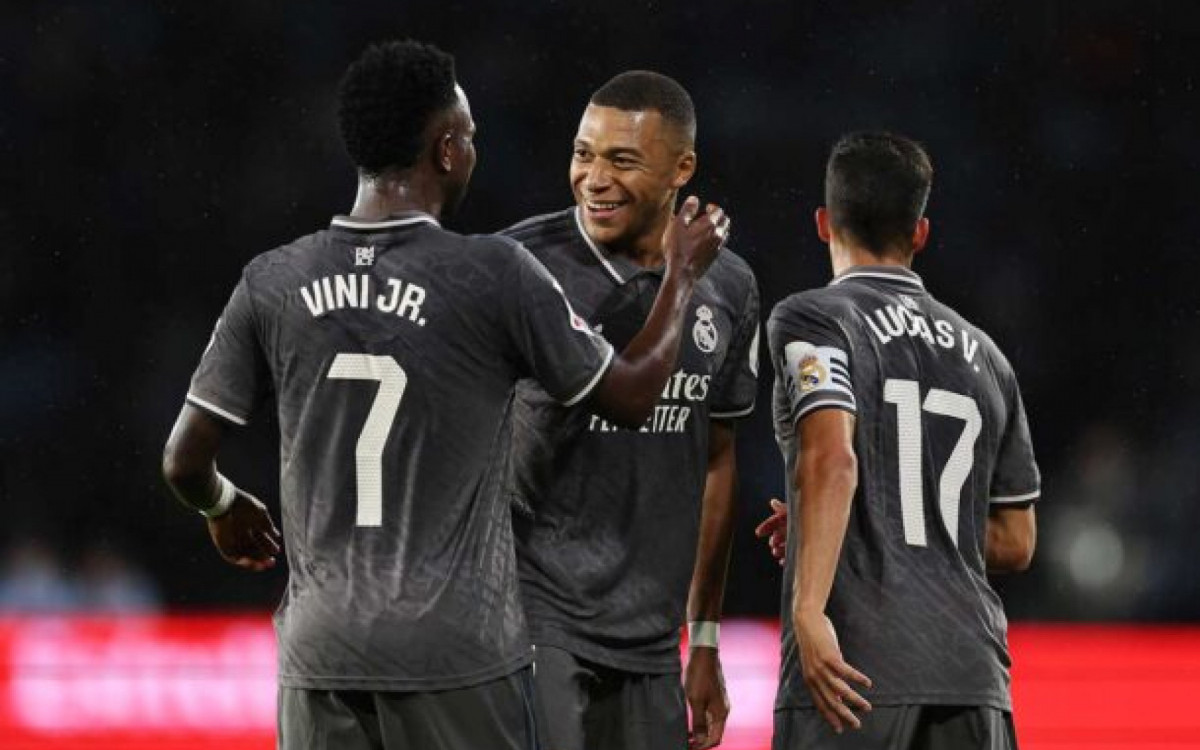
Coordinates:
(582, 705)
(497, 715)
(900, 727)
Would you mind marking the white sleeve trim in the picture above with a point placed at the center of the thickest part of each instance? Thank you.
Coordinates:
(827, 402)
(731, 414)
(1017, 498)
(591, 384)
(208, 406)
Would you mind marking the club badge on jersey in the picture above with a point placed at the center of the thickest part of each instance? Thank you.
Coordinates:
(704, 332)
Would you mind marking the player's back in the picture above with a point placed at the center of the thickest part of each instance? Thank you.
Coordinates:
(392, 349)
(940, 436)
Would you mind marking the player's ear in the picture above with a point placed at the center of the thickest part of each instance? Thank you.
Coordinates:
(685, 167)
(443, 150)
(920, 235)
(822, 220)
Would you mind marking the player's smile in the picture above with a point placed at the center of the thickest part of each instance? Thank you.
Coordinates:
(603, 211)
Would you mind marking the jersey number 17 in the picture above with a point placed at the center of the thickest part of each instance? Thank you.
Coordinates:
(906, 395)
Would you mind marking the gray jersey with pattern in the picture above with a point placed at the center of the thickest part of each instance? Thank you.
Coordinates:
(940, 436)
(609, 517)
(392, 349)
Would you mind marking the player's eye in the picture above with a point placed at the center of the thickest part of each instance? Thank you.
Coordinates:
(582, 154)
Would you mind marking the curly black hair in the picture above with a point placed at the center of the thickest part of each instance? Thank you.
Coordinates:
(386, 99)
(639, 90)
(876, 187)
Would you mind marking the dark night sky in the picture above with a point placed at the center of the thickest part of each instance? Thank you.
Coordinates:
(150, 149)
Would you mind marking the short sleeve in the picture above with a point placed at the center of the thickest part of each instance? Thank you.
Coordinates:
(232, 378)
(1016, 480)
(737, 380)
(810, 354)
(556, 346)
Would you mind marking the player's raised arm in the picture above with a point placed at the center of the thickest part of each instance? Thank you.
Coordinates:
(627, 393)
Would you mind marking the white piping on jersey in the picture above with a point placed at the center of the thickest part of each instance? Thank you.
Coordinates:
(876, 275)
(603, 368)
(216, 410)
(1017, 498)
(851, 407)
(595, 249)
(389, 224)
(731, 414)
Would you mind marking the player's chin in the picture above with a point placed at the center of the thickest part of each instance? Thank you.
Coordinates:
(605, 229)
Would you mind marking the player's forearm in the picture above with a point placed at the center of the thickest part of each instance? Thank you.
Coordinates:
(826, 481)
(633, 384)
(189, 458)
(717, 517)
(1011, 538)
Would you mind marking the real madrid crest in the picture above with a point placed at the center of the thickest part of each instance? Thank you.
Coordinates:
(811, 373)
(704, 332)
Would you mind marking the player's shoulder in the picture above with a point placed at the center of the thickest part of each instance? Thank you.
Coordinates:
(827, 301)
(283, 260)
(989, 345)
(545, 231)
(732, 274)
(543, 227)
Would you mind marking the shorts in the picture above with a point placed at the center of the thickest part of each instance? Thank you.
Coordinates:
(919, 727)
(582, 705)
(496, 715)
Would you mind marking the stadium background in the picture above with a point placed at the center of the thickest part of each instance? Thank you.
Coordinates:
(150, 149)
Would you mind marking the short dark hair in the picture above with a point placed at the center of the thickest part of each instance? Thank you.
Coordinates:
(876, 188)
(387, 97)
(640, 90)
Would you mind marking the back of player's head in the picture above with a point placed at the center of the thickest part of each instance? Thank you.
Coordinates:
(387, 98)
(876, 188)
(642, 90)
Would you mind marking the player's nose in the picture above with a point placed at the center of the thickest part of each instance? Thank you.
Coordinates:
(598, 178)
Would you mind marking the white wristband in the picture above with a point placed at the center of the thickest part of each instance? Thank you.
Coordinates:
(224, 500)
(704, 633)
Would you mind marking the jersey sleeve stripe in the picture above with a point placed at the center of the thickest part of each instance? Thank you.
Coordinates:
(591, 384)
(1002, 499)
(731, 414)
(213, 408)
(825, 404)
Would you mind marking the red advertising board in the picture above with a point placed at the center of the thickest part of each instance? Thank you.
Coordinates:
(186, 683)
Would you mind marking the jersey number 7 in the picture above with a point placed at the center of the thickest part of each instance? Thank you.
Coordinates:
(368, 453)
(906, 395)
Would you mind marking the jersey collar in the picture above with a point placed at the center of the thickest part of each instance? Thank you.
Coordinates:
(403, 219)
(619, 268)
(896, 274)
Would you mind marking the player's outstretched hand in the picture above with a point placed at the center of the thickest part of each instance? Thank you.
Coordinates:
(246, 536)
(692, 241)
(704, 686)
(827, 675)
(775, 529)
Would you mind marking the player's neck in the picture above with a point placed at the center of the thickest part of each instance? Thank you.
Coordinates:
(844, 256)
(644, 250)
(380, 197)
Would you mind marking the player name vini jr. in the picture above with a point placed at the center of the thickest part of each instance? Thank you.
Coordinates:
(893, 321)
(349, 291)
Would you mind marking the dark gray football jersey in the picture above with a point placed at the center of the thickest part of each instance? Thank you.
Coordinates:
(392, 349)
(606, 538)
(940, 436)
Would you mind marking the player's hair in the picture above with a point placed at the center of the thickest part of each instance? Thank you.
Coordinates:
(641, 90)
(876, 188)
(386, 99)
